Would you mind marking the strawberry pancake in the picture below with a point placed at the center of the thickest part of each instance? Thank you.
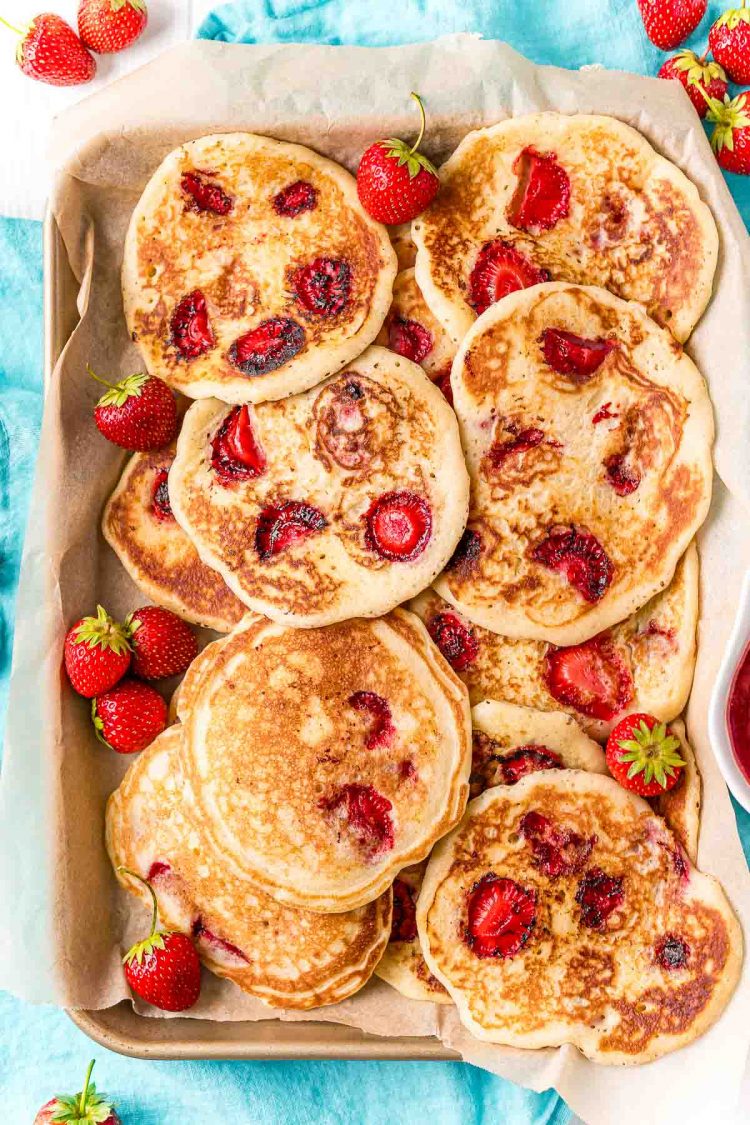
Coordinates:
(567, 878)
(345, 500)
(403, 965)
(140, 528)
(361, 750)
(251, 270)
(411, 330)
(587, 433)
(286, 957)
(576, 198)
(643, 664)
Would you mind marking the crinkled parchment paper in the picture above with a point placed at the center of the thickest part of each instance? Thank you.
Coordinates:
(63, 920)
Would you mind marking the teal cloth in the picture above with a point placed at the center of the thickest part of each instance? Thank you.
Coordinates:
(41, 1052)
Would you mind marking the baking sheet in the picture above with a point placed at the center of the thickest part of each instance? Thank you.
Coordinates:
(68, 918)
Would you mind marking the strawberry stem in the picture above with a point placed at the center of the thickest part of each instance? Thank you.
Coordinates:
(104, 383)
(418, 141)
(12, 27)
(85, 1090)
(155, 915)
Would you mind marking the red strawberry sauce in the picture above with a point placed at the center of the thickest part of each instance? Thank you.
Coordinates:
(738, 713)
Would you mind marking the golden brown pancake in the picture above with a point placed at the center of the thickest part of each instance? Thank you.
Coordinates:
(402, 965)
(411, 330)
(251, 270)
(564, 198)
(403, 244)
(288, 958)
(562, 910)
(139, 526)
(587, 433)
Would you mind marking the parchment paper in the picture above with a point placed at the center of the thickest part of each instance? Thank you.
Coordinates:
(63, 922)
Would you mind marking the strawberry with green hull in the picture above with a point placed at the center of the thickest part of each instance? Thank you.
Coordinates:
(729, 41)
(50, 51)
(669, 22)
(730, 139)
(87, 1107)
(394, 182)
(108, 26)
(97, 653)
(643, 755)
(138, 413)
(129, 717)
(699, 76)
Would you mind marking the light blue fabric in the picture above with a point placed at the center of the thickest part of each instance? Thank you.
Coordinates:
(41, 1053)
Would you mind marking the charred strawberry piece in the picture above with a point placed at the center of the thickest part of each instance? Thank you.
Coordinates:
(456, 642)
(491, 766)
(542, 197)
(556, 851)
(500, 269)
(190, 329)
(409, 338)
(593, 678)
(367, 813)
(218, 944)
(527, 759)
(323, 287)
(272, 343)
(525, 440)
(404, 924)
(501, 915)
(622, 476)
(295, 199)
(236, 453)
(572, 355)
(580, 557)
(160, 505)
(598, 895)
(279, 526)
(467, 552)
(382, 731)
(672, 952)
(399, 526)
(203, 195)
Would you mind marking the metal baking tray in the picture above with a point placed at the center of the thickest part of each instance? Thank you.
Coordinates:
(120, 1028)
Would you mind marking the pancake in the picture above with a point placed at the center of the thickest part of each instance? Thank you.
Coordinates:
(350, 498)
(587, 433)
(403, 244)
(578, 198)
(324, 761)
(288, 958)
(681, 806)
(251, 271)
(645, 663)
(411, 330)
(402, 965)
(139, 526)
(561, 910)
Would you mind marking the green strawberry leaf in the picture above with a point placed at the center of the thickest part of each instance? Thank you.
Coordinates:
(129, 387)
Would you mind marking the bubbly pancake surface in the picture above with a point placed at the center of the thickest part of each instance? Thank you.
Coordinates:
(323, 762)
(139, 526)
(576, 198)
(251, 271)
(644, 663)
(301, 539)
(286, 957)
(587, 433)
(411, 330)
(561, 910)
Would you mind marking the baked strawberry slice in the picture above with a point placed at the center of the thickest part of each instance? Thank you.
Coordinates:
(500, 451)
(281, 525)
(409, 338)
(579, 556)
(643, 755)
(382, 730)
(215, 943)
(236, 453)
(621, 475)
(525, 760)
(575, 356)
(467, 552)
(268, 346)
(456, 642)
(598, 895)
(500, 269)
(399, 526)
(323, 287)
(204, 195)
(443, 381)
(557, 851)
(404, 923)
(542, 197)
(500, 916)
(190, 328)
(295, 199)
(672, 952)
(592, 677)
(161, 507)
(367, 814)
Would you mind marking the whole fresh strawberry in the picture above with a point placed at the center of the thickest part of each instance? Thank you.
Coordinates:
(107, 26)
(394, 182)
(669, 22)
(730, 139)
(643, 755)
(129, 716)
(698, 76)
(729, 41)
(86, 1107)
(50, 51)
(163, 644)
(163, 969)
(138, 413)
(97, 653)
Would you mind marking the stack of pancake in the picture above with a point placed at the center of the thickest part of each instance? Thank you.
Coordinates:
(444, 518)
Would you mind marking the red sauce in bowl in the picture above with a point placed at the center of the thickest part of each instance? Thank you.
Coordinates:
(738, 713)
